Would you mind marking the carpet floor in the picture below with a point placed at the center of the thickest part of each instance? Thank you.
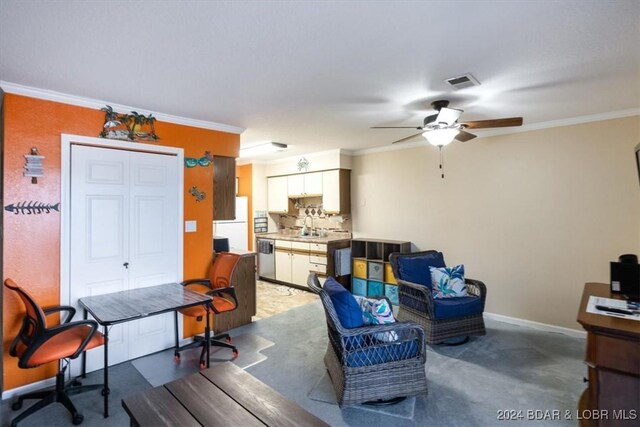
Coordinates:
(511, 368)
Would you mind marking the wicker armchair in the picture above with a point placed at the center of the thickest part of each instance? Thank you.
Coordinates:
(372, 363)
(417, 305)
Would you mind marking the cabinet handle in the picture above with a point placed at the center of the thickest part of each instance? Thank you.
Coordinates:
(584, 380)
(126, 265)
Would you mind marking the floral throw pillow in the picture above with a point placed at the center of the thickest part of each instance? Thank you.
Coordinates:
(377, 312)
(448, 282)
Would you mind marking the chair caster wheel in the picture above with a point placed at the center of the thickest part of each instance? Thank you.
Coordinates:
(103, 392)
(16, 405)
(229, 340)
(235, 352)
(202, 364)
(78, 419)
(176, 356)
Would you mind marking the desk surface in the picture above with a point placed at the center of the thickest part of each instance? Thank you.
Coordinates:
(117, 307)
(224, 395)
(591, 321)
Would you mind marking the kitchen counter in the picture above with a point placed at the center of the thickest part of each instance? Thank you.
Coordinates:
(242, 252)
(294, 237)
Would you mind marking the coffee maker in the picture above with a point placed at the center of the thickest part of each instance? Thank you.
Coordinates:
(625, 277)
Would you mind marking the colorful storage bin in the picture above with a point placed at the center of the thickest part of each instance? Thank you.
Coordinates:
(359, 287)
(360, 268)
(374, 288)
(391, 292)
(375, 270)
(388, 274)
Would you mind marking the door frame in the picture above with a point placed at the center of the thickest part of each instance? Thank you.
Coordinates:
(67, 141)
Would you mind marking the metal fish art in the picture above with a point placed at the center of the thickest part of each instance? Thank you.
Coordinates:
(199, 195)
(32, 208)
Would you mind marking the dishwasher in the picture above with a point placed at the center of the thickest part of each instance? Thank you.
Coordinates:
(266, 259)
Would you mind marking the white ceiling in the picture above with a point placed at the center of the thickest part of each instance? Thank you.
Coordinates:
(318, 74)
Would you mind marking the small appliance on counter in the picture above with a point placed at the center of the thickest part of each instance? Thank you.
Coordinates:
(625, 276)
(220, 244)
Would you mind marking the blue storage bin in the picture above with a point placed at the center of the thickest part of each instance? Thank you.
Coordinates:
(359, 287)
(375, 288)
(391, 292)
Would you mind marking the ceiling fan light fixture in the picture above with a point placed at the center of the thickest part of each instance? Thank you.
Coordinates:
(440, 137)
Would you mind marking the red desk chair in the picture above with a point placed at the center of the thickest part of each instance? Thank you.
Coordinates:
(37, 344)
(219, 286)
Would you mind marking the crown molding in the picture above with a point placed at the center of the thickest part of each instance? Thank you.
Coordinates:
(79, 101)
(525, 128)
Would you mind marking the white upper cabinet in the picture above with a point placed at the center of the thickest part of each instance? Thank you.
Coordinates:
(313, 184)
(336, 194)
(295, 185)
(277, 200)
(304, 185)
(334, 186)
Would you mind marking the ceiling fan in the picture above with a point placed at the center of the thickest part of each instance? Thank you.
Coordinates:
(443, 127)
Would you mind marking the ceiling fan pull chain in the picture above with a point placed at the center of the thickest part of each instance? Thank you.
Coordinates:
(441, 162)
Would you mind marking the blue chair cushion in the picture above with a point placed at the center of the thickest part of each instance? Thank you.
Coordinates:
(448, 308)
(377, 355)
(416, 269)
(347, 308)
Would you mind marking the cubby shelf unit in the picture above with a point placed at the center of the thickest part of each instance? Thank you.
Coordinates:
(371, 273)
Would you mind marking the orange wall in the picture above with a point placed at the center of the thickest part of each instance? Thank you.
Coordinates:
(244, 174)
(31, 245)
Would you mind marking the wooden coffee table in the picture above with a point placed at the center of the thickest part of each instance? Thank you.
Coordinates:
(224, 395)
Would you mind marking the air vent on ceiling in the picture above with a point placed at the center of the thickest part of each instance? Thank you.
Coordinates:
(463, 81)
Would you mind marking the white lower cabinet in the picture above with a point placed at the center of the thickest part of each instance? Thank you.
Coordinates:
(294, 261)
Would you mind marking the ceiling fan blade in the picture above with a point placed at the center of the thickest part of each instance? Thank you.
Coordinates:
(494, 123)
(463, 136)
(448, 115)
(407, 138)
(396, 127)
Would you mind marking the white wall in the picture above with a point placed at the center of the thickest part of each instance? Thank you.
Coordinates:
(534, 215)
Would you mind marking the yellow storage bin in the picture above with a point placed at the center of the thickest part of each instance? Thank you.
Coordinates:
(388, 274)
(360, 268)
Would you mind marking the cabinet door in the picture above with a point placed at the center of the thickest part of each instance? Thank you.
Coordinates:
(224, 188)
(277, 200)
(300, 267)
(313, 184)
(283, 266)
(336, 191)
(295, 185)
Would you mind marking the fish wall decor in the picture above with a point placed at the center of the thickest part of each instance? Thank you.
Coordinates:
(199, 195)
(32, 208)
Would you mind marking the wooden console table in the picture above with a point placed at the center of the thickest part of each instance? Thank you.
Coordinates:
(613, 358)
(224, 395)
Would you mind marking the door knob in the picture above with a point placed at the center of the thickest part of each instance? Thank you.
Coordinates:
(126, 265)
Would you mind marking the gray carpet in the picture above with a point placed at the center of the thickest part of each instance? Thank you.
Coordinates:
(511, 367)
(161, 368)
(124, 380)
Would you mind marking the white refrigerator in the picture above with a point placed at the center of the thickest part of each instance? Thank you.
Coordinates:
(236, 231)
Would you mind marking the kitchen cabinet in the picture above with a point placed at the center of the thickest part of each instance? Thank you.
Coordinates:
(277, 200)
(224, 188)
(295, 260)
(304, 184)
(336, 191)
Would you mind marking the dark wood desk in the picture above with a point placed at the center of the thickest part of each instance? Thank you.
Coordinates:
(124, 306)
(224, 395)
(613, 358)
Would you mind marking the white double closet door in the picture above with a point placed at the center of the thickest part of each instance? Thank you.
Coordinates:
(125, 222)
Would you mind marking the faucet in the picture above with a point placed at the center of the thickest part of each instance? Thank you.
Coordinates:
(311, 231)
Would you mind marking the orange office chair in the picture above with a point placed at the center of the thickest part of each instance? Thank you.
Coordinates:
(219, 286)
(37, 344)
